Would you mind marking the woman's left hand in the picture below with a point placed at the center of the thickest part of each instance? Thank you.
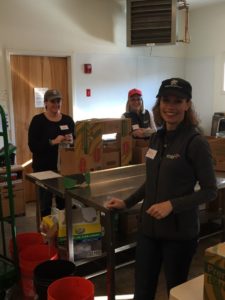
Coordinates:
(138, 133)
(160, 210)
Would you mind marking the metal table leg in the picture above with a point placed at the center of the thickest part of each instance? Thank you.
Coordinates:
(69, 235)
(110, 248)
(222, 197)
(38, 211)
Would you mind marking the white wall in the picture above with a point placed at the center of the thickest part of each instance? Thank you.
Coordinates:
(113, 75)
(200, 72)
(91, 31)
(204, 61)
(94, 31)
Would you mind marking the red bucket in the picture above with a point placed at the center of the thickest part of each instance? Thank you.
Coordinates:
(29, 258)
(71, 288)
(26, 239)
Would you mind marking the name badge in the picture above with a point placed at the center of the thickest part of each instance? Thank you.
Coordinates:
(151, 153)
(135, 126)
(64, 127)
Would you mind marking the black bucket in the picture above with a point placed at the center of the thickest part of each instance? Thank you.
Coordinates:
(49, 271)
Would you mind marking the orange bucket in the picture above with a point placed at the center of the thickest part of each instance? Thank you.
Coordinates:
(29, 258)
(26, 239)
(71, 288)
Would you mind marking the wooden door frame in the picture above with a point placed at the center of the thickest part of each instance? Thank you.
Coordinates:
(71, 72)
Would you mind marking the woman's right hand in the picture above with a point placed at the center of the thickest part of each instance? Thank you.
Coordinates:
(115, 203)
(59, 139)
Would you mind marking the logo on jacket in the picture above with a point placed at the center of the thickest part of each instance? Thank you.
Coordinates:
(173, 156)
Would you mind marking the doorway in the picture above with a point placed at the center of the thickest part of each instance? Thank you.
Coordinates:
(29, 72)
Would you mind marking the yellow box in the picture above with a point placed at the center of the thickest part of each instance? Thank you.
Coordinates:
(49, 221)
(86, 223)
(214, 272)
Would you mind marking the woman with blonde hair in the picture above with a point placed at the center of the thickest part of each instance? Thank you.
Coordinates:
(142, 120)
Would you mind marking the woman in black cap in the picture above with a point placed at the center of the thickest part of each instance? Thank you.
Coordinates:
(178, 157)
(142, 120)
(46, 132)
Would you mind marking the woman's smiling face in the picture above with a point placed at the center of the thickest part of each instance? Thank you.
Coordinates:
(172, 110)
(53, 105)
(135, 103)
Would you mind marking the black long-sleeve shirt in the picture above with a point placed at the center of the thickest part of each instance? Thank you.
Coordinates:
(41, 130)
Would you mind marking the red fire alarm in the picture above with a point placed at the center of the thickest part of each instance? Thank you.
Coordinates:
(88, 92)
(87, 68)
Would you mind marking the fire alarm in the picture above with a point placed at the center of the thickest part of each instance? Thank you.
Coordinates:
(88, 92)
(87, 68)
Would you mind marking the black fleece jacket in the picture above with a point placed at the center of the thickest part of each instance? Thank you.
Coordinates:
(177, 161)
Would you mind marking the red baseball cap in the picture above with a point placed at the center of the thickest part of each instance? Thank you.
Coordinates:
(134, 92)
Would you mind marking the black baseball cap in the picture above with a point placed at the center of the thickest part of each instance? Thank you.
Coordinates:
(175, 86)
(52, 94)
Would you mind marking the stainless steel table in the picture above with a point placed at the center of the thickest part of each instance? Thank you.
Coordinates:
(119, 182)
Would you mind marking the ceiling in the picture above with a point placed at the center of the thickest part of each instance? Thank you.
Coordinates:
(200, 3)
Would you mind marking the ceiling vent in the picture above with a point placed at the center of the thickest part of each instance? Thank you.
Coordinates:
(151, 22)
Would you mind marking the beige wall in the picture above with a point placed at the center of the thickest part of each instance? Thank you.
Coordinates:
(204, 63)
(88, 28)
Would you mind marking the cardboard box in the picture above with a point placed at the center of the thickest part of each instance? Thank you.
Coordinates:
(89, 142)
(125, 150)
(140, 143)
(111, 159)
(86, 223)
(129, 220)
(19, 204)
(111, 125)
(73, 161)
(139, 154)
(140, 148)
(217, 146)
(214, 272)
(87, 155)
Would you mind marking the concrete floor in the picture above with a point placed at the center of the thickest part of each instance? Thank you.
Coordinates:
(124, 276)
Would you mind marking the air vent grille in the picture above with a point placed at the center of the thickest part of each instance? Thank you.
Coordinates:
(151, 22)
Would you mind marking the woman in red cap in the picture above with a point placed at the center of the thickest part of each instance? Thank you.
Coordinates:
(178, 158)
(142, 120)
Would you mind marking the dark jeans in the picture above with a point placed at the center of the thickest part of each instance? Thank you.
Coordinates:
(151, 254)
(45, 200)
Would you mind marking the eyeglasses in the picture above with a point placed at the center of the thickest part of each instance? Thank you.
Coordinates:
(57, 100)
